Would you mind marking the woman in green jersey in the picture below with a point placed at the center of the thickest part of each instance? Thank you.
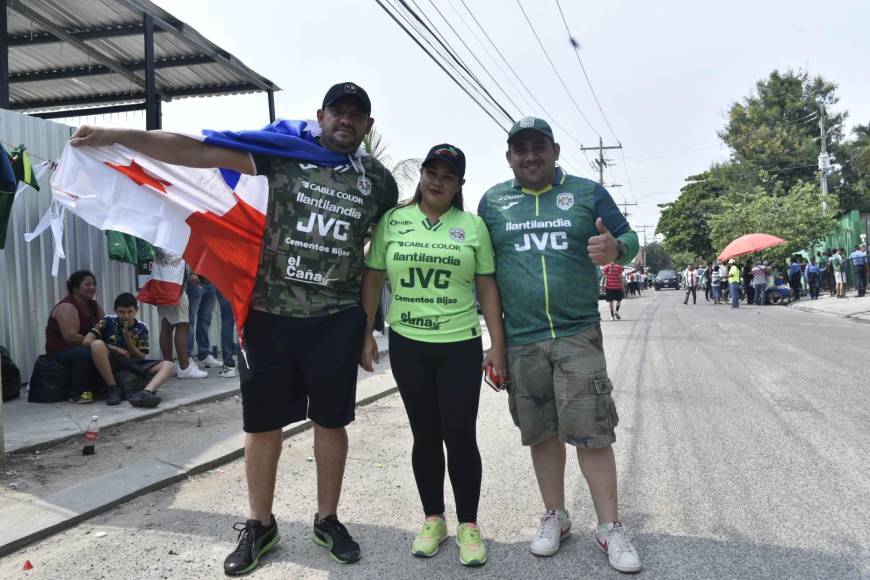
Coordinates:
(436, 255)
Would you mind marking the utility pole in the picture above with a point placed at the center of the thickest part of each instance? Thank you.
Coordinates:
(601, 162)
(625, 205)
(644, 227)
(824, 158)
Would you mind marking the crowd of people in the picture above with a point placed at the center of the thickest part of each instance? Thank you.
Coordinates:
(528, 255)
(761, 283)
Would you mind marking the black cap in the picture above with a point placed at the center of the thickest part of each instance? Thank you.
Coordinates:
(335, 92)
(449, 154)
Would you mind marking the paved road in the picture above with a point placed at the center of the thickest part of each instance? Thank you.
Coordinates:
(743, 449)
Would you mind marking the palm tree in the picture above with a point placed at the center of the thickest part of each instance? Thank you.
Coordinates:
(406, 172)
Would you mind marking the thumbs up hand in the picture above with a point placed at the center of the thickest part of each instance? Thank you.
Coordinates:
(603, 248)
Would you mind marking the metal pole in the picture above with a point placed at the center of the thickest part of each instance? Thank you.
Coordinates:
(824, 161)
(600, 161)
(271, 96)
(152, 101)
(4, 60)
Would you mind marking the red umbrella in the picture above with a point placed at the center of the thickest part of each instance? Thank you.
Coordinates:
(749, 244)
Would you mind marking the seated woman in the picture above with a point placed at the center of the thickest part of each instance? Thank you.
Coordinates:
(68, 324)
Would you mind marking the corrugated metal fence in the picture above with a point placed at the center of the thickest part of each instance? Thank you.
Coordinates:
(27, 289)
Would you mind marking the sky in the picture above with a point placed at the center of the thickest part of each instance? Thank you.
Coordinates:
(665, 74)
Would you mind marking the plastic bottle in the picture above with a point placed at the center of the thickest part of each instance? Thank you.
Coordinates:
(91, 435)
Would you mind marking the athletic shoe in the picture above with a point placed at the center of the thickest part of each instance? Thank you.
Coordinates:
(114, 394)
(227, 372)
(85, 398)
(472, 550)
(144, 398)
(554, 529)
(377, 333)
(431, 536)
(618, 317)
(254, 540)
(208, 361)
(191, 372)
(612, 539)
(332, 535)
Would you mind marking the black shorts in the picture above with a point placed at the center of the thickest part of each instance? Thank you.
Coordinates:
(293, 368)
(614, 294)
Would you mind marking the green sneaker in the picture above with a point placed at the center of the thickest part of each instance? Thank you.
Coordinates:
(431, 536)
(472, 550)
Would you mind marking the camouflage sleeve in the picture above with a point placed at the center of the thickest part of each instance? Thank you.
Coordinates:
(142, 340)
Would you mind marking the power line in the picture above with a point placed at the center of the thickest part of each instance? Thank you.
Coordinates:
(456, 59)
(441, 66)
(556, 70)
(583, 68)
(472, 53)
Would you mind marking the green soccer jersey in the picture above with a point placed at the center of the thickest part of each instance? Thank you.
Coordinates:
(431, 268)
(548, 284)
(316, 223)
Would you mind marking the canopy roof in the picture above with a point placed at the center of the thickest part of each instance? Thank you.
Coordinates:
(88, 53)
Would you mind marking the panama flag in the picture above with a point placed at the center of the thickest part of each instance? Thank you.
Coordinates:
(212, 218)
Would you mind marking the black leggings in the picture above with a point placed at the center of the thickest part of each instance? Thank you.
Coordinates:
(440, 386)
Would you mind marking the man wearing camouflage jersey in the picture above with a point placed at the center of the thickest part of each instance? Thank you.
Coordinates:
(549, 230)
(304, 333)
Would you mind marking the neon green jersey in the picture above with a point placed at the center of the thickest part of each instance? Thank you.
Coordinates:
(431, 268)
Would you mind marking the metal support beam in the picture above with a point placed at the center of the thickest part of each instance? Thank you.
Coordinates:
(98, 56)
(271, 96)
(4, 69)
(42, 37)
(191, 36)
(152, 101)
(91, 111)
(127, 96)
(96, 70)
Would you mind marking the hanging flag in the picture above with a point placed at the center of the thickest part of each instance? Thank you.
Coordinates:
(213, 218)
(21, 166)
(7, 194)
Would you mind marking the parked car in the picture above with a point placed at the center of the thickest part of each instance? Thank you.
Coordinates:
(666, 279)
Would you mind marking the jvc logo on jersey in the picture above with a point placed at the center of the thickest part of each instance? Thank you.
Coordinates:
(555, 240)
(325, 227)
(424, 277)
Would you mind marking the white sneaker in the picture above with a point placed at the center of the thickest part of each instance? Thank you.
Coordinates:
(377, 333)
(612, 539)
(191, 372)
(209, 361)
(555, 527)
(228, 372)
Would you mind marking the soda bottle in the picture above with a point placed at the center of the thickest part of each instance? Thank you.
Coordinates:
(91, 435)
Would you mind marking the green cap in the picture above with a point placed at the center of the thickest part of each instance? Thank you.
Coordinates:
(531, 124)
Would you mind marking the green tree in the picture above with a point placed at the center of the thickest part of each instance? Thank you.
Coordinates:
(657, 258)
(684, 222)
(852, 160)
(795, 216)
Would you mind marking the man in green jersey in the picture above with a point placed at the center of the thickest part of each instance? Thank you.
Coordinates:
(305, 329)
(549, 230)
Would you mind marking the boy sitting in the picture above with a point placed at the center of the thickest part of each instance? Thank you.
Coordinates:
(121, 342)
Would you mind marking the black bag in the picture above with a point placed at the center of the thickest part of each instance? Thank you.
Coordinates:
(130, 380)
(11, 376)
(50, 381)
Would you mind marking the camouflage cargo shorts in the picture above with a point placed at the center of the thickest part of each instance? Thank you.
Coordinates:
(560, 388)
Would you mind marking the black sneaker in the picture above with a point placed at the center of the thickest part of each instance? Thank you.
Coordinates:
(254, 541)
(114, 394)
(332, 535)
(144, 398)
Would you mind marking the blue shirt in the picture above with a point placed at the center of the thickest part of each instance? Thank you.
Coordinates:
(858, 257)
(794, 268)
(109, 330)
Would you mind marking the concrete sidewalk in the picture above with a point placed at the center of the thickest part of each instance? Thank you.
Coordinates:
(852, 307)
(30, 426)
(133, 456)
